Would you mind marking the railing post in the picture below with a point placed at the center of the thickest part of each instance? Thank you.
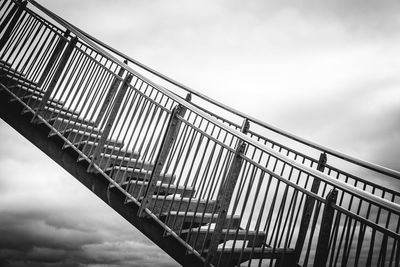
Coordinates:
(166, 145)
(57, 52)
(226, 192)
(308, 209)
(15, 13)
(63, 62)
(111, 119)
(110, 94)
(322, 252)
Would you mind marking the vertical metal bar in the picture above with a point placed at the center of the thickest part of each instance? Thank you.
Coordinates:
(166, 145)
(308, 209)
(113, 89)
(111, 119)
(16, 15)
(322, 252)
(57, 52)
(226, 192)
(57, 75)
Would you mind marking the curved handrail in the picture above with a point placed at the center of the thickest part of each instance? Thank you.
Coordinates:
(327, 150)
(337, 183)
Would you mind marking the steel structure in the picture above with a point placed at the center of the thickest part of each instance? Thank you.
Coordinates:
(207, 183)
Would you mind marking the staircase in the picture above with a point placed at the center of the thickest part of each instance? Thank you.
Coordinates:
(206, 189)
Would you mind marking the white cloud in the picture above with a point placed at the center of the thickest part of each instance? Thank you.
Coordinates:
(326, 71)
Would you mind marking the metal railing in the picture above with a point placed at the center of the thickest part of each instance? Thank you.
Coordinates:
(228, 193)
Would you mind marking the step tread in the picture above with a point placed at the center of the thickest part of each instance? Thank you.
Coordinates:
(257, 253)
(181, 220)
(88, 146)
(71, 124)
(240, 232)
(91, 135)
(161, 188)
(158, 184)
(205, 215)
(34, 98)
(200, 237)
(16, 76)
(135, 170)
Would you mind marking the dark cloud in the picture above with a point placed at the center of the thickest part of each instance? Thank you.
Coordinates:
(42, 225)
(259, 56)
(33, 239)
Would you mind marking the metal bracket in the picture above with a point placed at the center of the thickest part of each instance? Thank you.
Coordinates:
(56, 76)
(322, 250)
(166, 145)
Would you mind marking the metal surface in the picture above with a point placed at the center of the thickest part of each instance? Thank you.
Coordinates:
(228, 194)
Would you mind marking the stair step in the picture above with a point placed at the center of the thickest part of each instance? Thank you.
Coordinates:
(88, 147)
(106, 161)
(122, 174)
(63, 124)
(34, 101)
(161, 204)
(200, 237)
(230, 257)
(24, 90)
(134, 187)
(178, 220)
(50, 114)
(75, 136)
(14, 78)
(33, 97)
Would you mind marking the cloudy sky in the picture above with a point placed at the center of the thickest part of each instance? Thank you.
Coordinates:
(325, 70)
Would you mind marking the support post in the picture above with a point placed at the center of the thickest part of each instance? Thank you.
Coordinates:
(322, 252)
(166, 145)
(111, 119)
(15, 13)
(57, 52)
(226, 192)
(63, 62)
(110, 94)
(308, 209)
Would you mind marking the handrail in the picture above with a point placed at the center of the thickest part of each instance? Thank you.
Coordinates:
(184, 163)
(339, 184)
(371, 166)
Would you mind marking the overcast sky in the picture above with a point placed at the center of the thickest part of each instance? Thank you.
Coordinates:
(327, 71)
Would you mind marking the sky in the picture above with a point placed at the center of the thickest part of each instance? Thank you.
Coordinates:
(324, 70)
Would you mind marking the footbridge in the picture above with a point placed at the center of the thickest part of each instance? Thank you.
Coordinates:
(208, 184)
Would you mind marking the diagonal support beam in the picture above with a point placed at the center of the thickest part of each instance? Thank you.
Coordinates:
(308, 209)
(110, 94)
(53, 59)
(60, 68)
(322, 251)
(166, 145)
(226, 193)
(111, 119)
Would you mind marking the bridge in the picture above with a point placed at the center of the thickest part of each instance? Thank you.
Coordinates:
(208, 184)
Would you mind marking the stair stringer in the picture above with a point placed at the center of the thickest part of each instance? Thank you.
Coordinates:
(37, 134)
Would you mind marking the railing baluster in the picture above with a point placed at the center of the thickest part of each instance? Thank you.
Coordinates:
(226, 192)
(15, 13)
(57, 52)
(110, 94)
(111, 119)
(322, 251)
(166, 145)
(308, 209)
(60, 68)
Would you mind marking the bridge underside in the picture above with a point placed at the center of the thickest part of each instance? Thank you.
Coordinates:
(201, 185)
(15, 112)
(37, 134)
